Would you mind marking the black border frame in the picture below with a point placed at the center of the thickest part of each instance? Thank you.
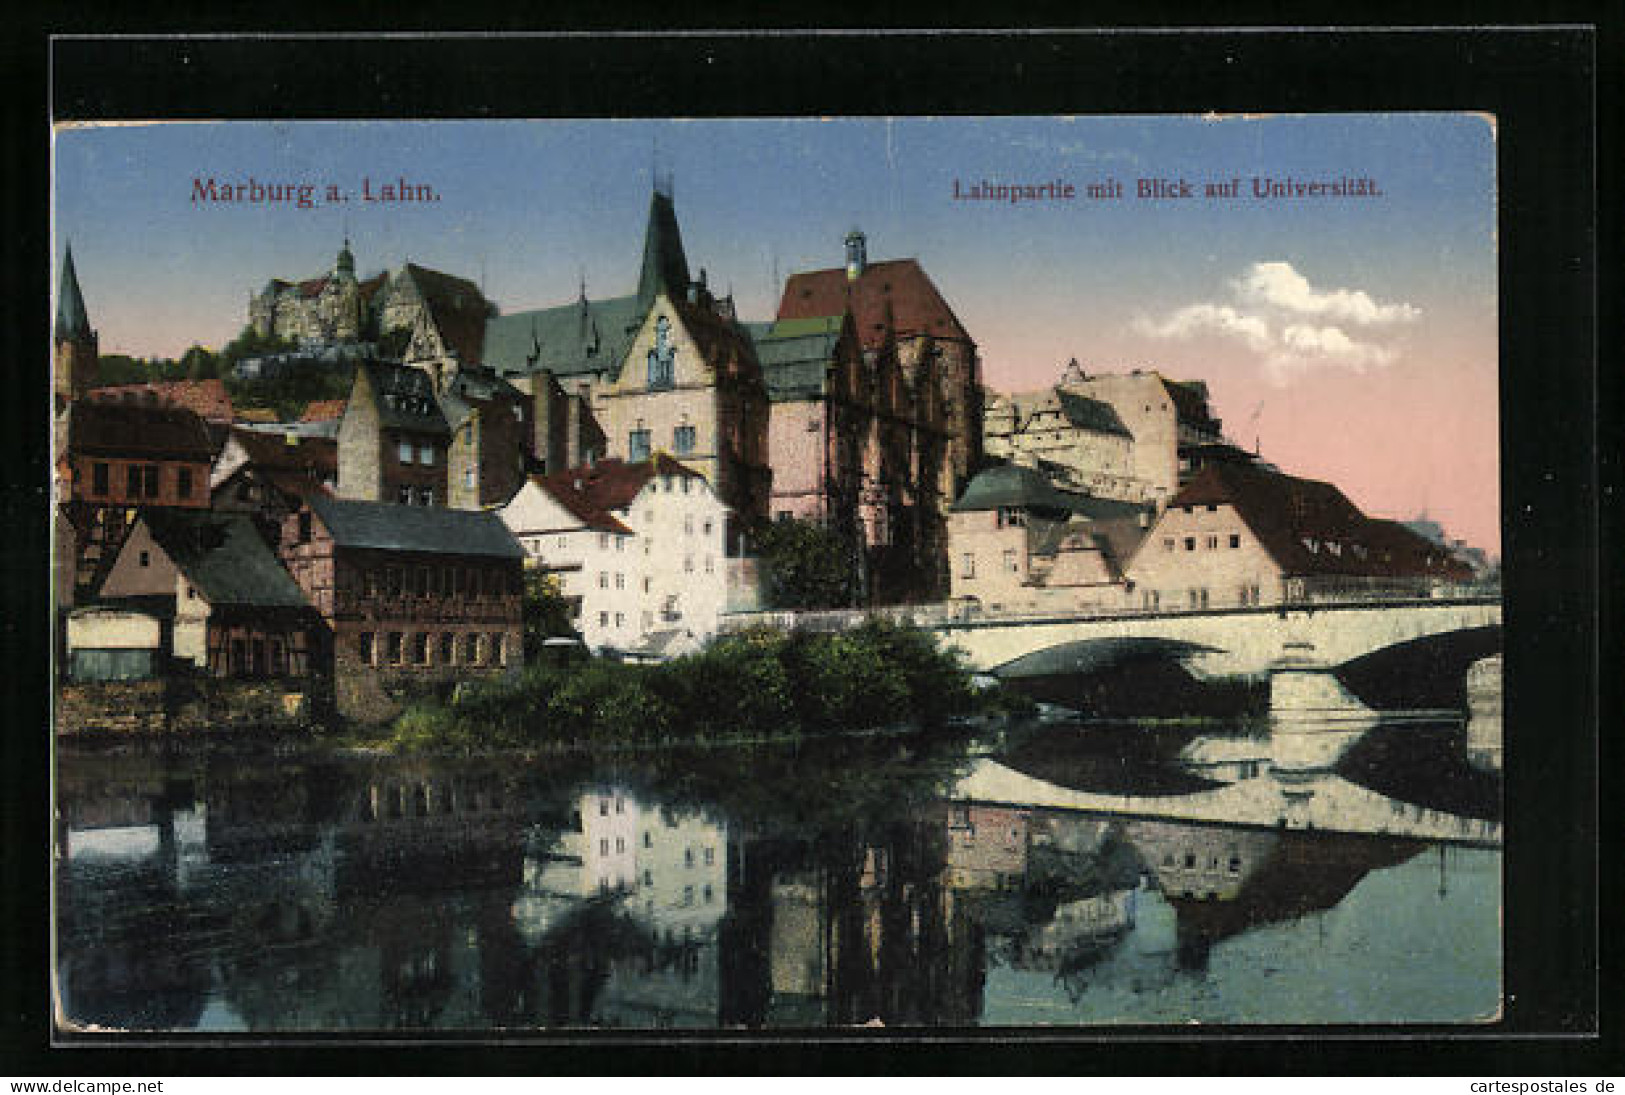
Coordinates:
(1541, 82)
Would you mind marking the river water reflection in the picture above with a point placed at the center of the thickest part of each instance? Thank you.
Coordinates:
(828, 884)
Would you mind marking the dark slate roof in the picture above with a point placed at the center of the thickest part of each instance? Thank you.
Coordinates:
(405, 396)
(138, 429)
(1015, 485)
(1090, 414)
(72, 319)
(896, 294)
(568, 340)
(1190, 400)
(665, 267)
(470, 388)
(386, 526)
(456, 307)
(795, 355)
(225, 557)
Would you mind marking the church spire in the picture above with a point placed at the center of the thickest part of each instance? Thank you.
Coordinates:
(72, 320)
(665, 267)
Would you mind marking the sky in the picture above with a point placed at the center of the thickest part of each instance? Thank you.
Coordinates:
(1351, 339)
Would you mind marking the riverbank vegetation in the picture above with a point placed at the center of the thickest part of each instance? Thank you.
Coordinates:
(762, 684)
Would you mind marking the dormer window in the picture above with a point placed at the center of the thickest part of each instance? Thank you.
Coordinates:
(1311, 545)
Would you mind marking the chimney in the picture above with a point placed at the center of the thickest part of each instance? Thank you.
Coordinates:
(573, 406)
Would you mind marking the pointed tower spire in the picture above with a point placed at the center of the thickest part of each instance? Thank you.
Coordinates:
(665, 267)
(72, 319)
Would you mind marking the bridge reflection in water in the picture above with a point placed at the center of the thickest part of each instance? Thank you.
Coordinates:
(840, 887)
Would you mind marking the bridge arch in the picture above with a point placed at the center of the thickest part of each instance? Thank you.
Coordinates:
(1429, 671)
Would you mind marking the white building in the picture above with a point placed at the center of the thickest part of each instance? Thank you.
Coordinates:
(639, 550)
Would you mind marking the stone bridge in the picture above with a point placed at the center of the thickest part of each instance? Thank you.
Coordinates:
(1240, 641)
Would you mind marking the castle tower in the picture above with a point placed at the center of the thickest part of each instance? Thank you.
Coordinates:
(344, 303)
(665, 266)
(74, 342)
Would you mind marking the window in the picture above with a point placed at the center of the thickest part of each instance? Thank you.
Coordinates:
(705, 530)
(603, 541)
(967, 566)
(620, 619)
(688, 522)
(688, 564)
(620, 844)
(603, 619)
(404, 452)
(468, 478)
(603, 579)
(183, 482)
(1010, 563)
(1190, 543)
(603, 846)
(688, 895)
(447, 648)
(603, 807)
(149, 477)
(688, 857)
(404, 496)
(420, 648)
(637, 446)
(471, 649)
(1213, 507)
(146, 559)
(708, 893)
(620, 581)
(709, 566)
(364, 648)
(682, 441)
(497, 649)
(1012, 517)
(1235, 539)
(426, 496)
(1212, 542)
(423, 581)
(687, 482)
(98, 479)
(426, 454)
(648, 842)
(395, 648)
(1168, 543)
(710, 856)
(304, 526)
(648, 876)
(646, 584)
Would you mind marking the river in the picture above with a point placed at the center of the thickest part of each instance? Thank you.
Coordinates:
(826, 884)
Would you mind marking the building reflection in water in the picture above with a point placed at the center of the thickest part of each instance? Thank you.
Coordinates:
(421, 895)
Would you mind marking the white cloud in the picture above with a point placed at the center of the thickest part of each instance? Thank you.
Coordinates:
(1267, 315)
(1278, 284)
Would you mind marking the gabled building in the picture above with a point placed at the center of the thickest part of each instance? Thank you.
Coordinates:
(271, 475)
(1131, 436)
(638, 549)
(666, 368)
(413, 595)
(1017, 542)
(439, 319)
(228, 607)
(208, 399)
(898, 310)
(121, 456)
(1243, 534)
(393, 438)
(490, 440)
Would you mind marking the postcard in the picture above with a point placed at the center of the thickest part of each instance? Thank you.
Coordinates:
(763, 574)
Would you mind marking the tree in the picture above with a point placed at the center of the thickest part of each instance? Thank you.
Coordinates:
(809, 566)
(199, 364)
(546, 613)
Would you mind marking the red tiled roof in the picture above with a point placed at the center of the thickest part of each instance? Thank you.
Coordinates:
(593, 492)
(206, 398)
(256, 414)
(138, 429)
(324, 410)
(898, 288)
(1284, 512)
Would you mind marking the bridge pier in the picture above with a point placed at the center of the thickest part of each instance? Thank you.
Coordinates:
(1313, 718)
(1484, 724)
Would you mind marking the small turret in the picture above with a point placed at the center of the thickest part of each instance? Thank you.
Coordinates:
(857, 257)
(345, 267)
